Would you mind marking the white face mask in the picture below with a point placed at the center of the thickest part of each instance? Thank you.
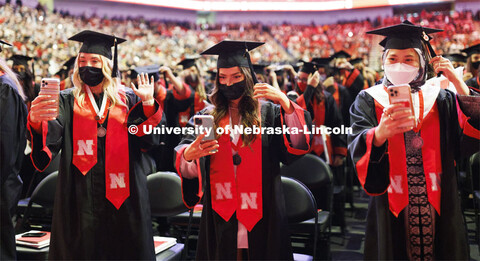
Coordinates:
(400, 73)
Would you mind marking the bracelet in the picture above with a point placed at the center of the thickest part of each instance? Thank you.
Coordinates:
(149, 102)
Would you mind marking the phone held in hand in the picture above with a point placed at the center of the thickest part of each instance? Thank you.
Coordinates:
(401, 94)
(205, 124)
(51, 86)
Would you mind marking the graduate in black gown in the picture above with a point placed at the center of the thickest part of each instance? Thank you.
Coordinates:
(102, 209)
(473, 66)
(407, 163)
(238, 175)
(347, 75)
(13, 121)
(173, 96)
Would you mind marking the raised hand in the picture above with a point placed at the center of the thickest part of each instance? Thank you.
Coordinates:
(145, 87)
(266, 91)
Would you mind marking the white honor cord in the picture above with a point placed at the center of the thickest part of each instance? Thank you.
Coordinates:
(92, 100)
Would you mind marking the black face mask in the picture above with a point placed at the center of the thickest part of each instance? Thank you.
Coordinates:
(91, 76)
(475, 65)
(233, 91)
(191, 79)
(23, 75)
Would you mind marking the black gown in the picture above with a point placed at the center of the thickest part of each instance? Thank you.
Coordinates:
(173, 105)
(13, 121)
(385, 237)
(474, 82)
(269, 239)
(85, 224)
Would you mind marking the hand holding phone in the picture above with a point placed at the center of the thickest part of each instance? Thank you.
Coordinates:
(400, 94)
(51, 87)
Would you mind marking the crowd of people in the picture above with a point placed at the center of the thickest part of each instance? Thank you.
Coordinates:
(404, 156)
(42, 34)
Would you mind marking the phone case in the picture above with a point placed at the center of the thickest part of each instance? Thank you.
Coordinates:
(207, 122)
(51, 86)
(401, 94)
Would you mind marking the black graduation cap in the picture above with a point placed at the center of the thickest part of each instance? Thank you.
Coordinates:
(405, 35)
(356, 60)
(456, 57)
(187, 63)
(2, 43)
(20, 60)
(472, 49)
(341, 54)
(308, 67)
(234, 53)
(259, 68)
(67, 66)
(99, 43)
(212, 73)
(151, 70)
(322, 62)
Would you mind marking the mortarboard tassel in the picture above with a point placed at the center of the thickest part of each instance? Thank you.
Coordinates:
(115, 60)
(255, 80)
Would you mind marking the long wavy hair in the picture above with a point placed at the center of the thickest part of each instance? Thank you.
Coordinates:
(247, 107)
(110, 85)
(11, 74)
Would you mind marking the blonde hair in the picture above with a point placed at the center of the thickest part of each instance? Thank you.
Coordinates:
(110, 85)
(4, 67)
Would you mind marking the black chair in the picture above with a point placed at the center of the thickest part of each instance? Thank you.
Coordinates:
(312, 171)
(165, 193)
(300, 206)
(39, 210)
(38, 216)
(474, 172)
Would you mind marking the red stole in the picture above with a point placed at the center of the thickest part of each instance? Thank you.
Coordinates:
(432, 164)
(184, 116)
(336, 94)
(116, 147)
(241, 193)
(318, 120)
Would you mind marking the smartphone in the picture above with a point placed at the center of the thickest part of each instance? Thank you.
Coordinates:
(51, 86)
(34, 234)
(401, 94)
(207, 123)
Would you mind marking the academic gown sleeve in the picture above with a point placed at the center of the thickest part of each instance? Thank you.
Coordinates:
(371, 162)
(13, 117)
(137, 117)
(468, 112)
(47, 144)
(354, 82)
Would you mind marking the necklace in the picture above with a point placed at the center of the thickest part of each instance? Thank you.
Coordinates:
(101, 131)
(417, 141)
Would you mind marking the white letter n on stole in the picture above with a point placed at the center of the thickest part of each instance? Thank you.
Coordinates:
(117, 180)
(85, 147)
(249, 200)
(223, 190)
(396, 185)
(435, 181)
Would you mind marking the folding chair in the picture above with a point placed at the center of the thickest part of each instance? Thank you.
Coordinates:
(312, 171)
(300, 206)
(165, 193)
